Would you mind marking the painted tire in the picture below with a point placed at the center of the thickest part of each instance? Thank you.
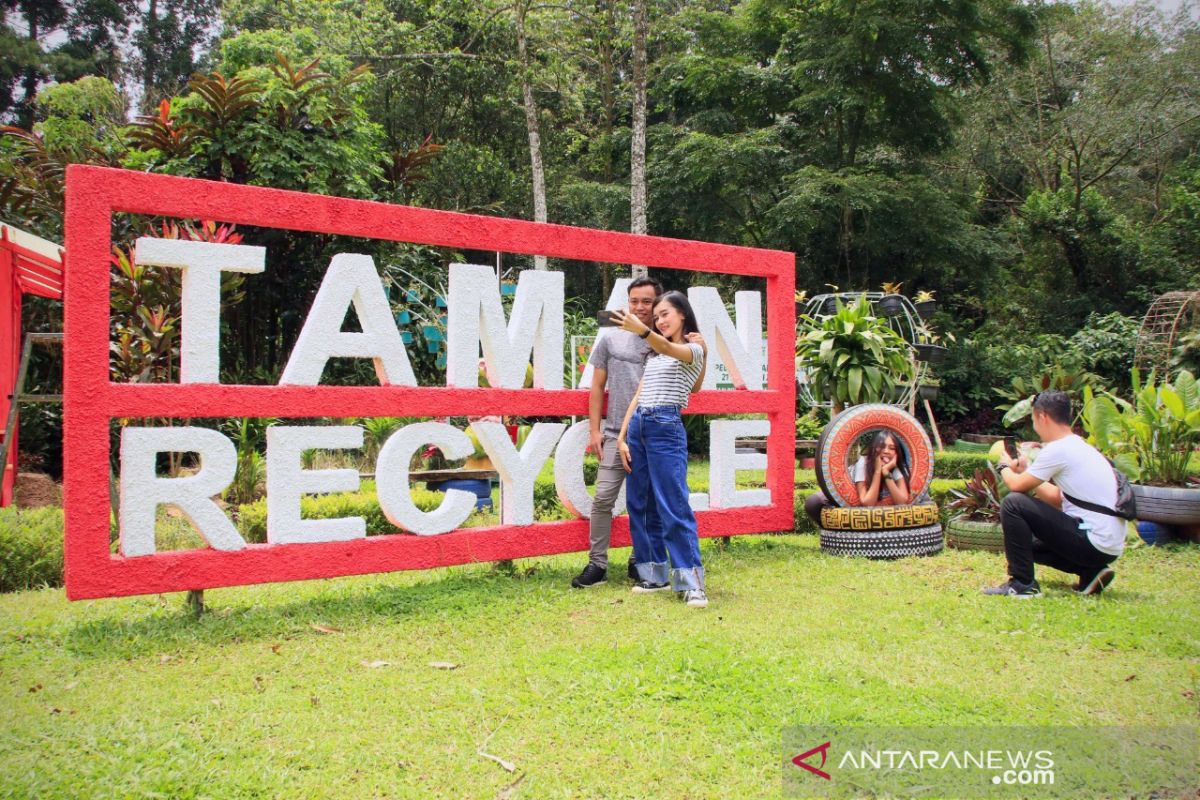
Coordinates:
(841, 434)
(883, 544)
(879, 518)
(965, 534)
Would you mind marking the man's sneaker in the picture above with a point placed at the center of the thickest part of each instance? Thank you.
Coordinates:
(1014, 588)
(645, 587)
(591, 576)
(633, 573)
(1098, 583)
(695, 598)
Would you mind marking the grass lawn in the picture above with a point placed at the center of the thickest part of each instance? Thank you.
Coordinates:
(326, 689)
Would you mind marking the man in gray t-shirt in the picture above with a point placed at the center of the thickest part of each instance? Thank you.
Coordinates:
(618, 361)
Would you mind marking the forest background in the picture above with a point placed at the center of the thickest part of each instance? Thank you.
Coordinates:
(1032, 163)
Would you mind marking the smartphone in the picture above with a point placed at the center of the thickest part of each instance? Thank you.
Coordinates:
(1010, 447)
(605, 319)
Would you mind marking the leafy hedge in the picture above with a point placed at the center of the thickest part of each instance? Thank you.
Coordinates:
(252, 517)
(31, 548)
(951, 464)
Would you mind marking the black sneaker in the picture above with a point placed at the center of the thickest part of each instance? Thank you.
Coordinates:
(633, 573)
(1014, 588)
(645, 587)
(591, 576)
(1098, 583)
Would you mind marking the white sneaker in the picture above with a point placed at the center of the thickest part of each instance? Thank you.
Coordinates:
(695, 598)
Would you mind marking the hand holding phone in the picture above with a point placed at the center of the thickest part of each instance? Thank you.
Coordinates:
(605, 319)
(1010, 447)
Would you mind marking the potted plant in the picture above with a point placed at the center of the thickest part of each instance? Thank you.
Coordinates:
(891, 304)
(1152, 440)
(801, 302)
(852, 357)
(929, 389)
(927, 347)
(976, 526)
(925, 304)
(808, 430)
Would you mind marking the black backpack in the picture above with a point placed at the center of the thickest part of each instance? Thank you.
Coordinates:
(1126, 502)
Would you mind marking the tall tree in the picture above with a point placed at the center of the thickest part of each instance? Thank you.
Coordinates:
(637, 155)
(169, 37)
(532, 127)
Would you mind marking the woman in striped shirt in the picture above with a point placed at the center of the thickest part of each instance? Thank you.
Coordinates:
(653, 447)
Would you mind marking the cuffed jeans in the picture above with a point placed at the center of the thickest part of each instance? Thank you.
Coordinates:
(661, 522)
(609, 479)
(1038, 533)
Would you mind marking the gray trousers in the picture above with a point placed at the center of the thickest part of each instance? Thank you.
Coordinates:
(608, 485)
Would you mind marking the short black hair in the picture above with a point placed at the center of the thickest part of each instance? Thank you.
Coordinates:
(1054, 404)
(653, 284)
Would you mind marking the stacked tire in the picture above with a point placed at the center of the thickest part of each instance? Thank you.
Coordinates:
(879, 532)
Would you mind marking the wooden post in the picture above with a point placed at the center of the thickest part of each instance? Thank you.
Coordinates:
(937, 436)
(195, 601)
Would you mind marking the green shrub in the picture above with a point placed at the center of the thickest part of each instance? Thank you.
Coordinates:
(31, 548)
(252, 517)
(959, 465)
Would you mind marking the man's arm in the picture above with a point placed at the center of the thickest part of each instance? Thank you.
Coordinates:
(1016, 476)
(596, 410)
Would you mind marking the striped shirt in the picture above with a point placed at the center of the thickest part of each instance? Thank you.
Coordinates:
(668, 381)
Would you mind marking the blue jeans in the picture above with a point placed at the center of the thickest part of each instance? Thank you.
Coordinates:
(661, 522)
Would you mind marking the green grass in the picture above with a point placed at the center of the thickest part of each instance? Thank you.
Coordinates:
(589, 694)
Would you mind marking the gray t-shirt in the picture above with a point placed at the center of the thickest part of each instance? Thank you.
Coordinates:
(622, 355)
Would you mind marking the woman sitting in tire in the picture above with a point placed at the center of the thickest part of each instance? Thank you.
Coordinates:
(881, 477)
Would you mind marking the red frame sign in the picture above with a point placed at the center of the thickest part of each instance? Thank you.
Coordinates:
(91, 400)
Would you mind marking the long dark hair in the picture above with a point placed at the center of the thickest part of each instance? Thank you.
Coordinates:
(680, 301)
(877, 445)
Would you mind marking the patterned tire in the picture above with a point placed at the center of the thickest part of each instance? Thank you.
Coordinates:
(883, 544)
(841, 434)
(965, 534)
(879, 518)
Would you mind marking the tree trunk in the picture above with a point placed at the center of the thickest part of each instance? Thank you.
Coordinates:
(150, 58)
(30, 82)
(637, 159)
(531, 125)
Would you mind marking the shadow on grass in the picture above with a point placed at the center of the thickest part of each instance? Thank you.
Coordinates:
(455, 593)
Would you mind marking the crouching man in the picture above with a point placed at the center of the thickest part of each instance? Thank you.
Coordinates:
(1070, 524)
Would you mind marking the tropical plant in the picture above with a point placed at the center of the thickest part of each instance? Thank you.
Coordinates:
(924, 296)
(1151, 439)
(1187, 354)
(892, 287)
(810, 425)
(851, 356)
(146, 310)
(1019, 397)
(979, 499)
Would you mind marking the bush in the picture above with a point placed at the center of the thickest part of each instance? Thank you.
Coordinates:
(959, 465)
(252, 517)
(31, 548)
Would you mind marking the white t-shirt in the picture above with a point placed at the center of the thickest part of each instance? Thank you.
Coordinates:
(1079, 470)
(859, 474)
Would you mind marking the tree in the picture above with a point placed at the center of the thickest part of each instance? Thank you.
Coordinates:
(520, 12)
(169, 37)
(637, 158)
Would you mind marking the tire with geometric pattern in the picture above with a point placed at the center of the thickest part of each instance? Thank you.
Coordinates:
(837, 443)
(883, 544)
(879, 518)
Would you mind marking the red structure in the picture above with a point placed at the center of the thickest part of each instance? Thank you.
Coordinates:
(91, 401)
(28, 265)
